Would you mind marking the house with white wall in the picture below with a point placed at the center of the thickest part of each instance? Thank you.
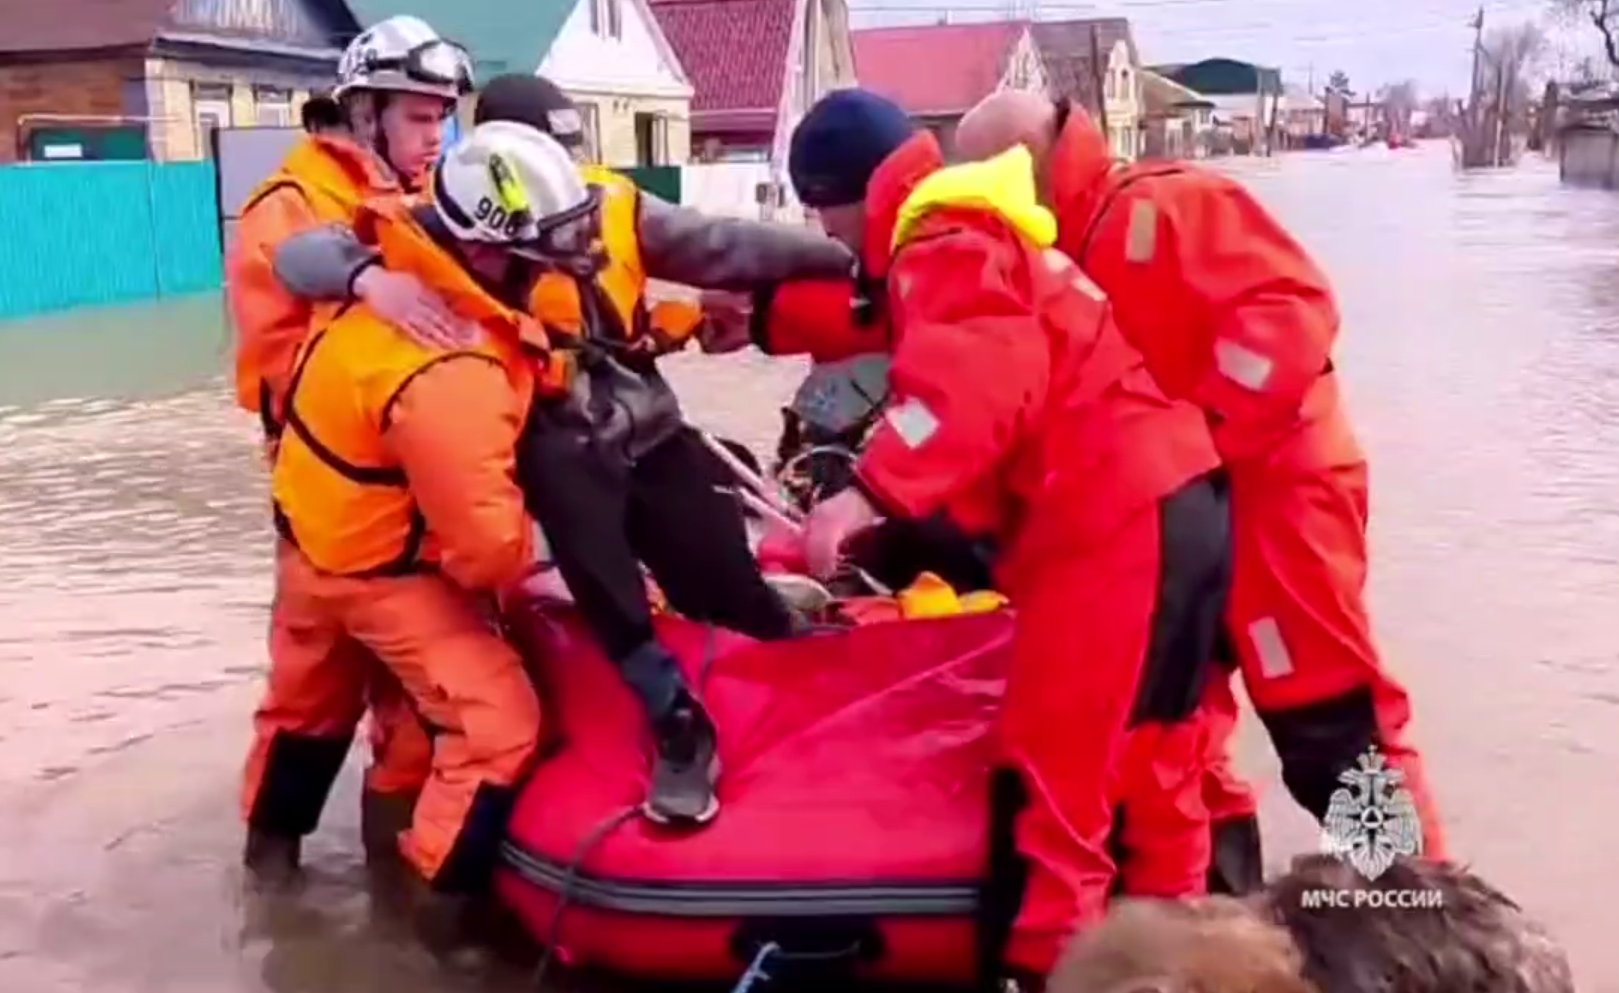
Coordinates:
(611, 56)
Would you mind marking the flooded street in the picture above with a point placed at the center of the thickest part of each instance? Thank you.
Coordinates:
(1481, 347)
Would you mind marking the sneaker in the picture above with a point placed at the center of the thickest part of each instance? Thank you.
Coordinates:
(685, 769)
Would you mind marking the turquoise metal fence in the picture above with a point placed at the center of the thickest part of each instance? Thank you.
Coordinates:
(90, 233)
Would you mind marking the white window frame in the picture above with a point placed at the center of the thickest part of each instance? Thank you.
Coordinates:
(272, 107)
(210, 111)
(607, 18)
(590, 117)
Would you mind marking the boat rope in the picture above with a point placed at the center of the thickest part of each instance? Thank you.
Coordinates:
(755, 973)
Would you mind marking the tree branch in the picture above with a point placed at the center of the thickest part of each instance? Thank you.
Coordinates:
(1610, 45)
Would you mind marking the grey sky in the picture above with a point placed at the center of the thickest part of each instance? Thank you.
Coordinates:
(1374, 41)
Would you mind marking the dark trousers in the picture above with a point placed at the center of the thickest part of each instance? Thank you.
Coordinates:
(604, 519)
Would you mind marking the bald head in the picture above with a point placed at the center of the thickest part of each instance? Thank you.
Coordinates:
(1005, 119)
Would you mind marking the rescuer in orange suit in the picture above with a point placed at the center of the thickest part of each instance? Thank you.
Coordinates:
(613, 490)
(394, 482)
(1112, 538)
(397, 81)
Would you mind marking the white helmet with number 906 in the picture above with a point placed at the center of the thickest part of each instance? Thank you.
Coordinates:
(404, 55)
(513, 185)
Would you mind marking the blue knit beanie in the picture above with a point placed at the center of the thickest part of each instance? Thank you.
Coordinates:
(840, 143)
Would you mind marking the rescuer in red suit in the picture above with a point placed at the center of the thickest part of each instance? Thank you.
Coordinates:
(1018, 410)
(1232, 315)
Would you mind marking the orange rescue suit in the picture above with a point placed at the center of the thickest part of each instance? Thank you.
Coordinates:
(1231, 314)
(323, 180)
(319, 687)
(394, 483)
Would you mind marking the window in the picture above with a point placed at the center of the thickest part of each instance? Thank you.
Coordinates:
(607, 18)
(272, 106)
(592, 124)
(210, 109)
(651, 139)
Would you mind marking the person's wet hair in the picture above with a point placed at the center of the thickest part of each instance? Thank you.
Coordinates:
(1210, 945)
(321, 113)
(1478, 940)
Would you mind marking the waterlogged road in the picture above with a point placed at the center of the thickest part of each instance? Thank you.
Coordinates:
(1482, 353)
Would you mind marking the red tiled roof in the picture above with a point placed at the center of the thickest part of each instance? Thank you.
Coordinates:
(77, 25)
(735, 54)
(1065, 52)
(935, 69)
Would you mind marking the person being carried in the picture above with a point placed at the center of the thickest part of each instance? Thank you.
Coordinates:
(394, 483)
(1112, 537)
(396, 83)
(612, 472)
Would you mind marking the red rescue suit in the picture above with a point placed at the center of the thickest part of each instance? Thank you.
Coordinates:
(1112, 541)
(1231, 314)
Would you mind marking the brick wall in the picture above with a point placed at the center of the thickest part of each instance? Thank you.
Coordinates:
(83, 87)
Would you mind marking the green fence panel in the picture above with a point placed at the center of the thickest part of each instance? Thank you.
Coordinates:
(660, 181)
(186, 222)
(97, 233)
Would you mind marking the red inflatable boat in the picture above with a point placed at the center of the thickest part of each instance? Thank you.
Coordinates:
(855, 817)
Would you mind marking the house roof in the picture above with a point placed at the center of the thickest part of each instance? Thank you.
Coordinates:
(1066, 48)
(1223, 77)
(502, 35)
(86, 25)
(935, 69)
(735, 55)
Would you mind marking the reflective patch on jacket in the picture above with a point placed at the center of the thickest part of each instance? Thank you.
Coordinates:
(913, 422)
(1141, 242)
(1242, 365)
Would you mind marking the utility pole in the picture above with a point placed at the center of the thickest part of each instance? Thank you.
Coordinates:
(1473, 125)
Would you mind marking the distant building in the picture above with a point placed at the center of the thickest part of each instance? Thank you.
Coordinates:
(610, 56)
(755, 66)
(937, 72)
(1247, 99)
(1177, 121)
(1303, 114)
(1095, 63)
(87, 79)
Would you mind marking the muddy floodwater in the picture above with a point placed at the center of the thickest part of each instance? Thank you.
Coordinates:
(1481, 347)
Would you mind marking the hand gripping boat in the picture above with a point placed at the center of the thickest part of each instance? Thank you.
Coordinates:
(855, 794)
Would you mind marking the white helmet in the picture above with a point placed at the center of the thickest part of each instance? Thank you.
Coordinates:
(514, 185)
(404, 55)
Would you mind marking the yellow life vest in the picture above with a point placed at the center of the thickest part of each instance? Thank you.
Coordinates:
(621, 282)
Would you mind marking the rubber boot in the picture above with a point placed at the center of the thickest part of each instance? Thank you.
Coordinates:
(383, 817)
(446, 924)
(686, 766)
(1237, 865)
(271, 859)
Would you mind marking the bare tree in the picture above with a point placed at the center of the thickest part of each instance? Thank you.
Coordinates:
(1399, 103)
(1600, 14)
(1508, 59)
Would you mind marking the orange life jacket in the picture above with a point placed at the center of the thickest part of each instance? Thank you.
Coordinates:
(340, 497)
(335, 176)
(623, 316)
